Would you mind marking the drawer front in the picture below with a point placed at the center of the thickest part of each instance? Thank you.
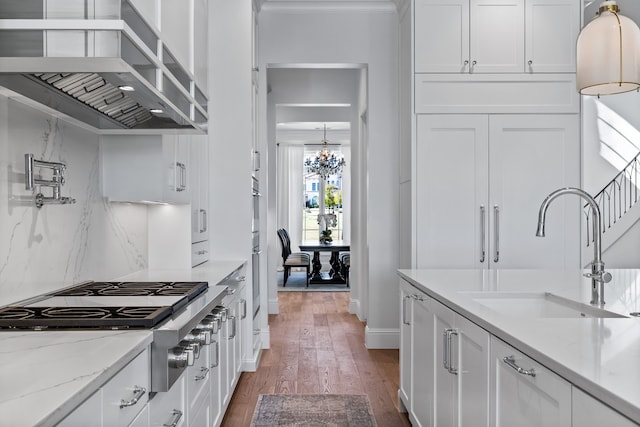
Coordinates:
(198, 377)
(169, 408)
(199, 253)
(124, 396)
(524, 393)
(496, 93)
(142, 420)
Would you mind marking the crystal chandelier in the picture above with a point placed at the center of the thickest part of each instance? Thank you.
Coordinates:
(324, 163)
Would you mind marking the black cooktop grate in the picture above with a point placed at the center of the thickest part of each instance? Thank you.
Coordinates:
(82, 317)
(188, 289)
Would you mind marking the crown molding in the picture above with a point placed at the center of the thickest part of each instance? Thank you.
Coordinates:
(383, 6)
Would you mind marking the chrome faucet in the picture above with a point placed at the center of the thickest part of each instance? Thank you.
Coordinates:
(598, 276)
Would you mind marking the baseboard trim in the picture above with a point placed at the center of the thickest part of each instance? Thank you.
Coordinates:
(265, 338)
(251, 365)
(274, 308)
(354, 307)
(381, 338)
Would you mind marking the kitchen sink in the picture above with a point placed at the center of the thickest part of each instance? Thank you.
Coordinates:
(537, 305)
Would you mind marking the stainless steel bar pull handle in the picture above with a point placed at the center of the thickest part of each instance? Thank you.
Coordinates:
(203, 218)
(233, 327)
(243, 303)
(483, 235)
(204, 371)
(496, 233)
(445, 349)
(217, 362)
(404, 309)
(452, 369)
(177, 415)
(511, 361)
(138, 392)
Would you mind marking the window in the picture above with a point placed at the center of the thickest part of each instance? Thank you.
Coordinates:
(333, 204)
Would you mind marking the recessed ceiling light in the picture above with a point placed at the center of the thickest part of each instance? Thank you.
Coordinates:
(126, 88)
(156, 111)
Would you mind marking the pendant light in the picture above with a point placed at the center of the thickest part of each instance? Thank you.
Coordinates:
(608, 53)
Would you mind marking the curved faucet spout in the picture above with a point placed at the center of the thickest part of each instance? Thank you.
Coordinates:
(598, 275)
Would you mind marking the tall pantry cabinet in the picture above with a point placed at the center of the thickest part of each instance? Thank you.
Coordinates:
(496, 129)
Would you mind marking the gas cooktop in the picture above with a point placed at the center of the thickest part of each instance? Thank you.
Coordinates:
(103, 305)
(188, 289)
(42, 318)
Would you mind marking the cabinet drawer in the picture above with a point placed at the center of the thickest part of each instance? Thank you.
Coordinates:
(199, 253)
(169, 407)
(525, 393)
(496, 93)
(124, 396)
(198, 377)
(142, 420)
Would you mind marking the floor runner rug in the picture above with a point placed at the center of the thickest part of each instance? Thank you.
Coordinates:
(313, 410)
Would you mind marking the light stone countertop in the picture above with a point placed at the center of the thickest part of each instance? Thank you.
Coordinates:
(45, 375)
(599, 355)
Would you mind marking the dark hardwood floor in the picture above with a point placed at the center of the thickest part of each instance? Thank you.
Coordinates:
(318, 347)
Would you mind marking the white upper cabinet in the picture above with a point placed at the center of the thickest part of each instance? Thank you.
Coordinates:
(552, 28)
(144, 169)
(441, 36)
(495, 36)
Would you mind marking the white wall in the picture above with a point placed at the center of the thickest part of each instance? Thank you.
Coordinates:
(352, 36)
(45, 249)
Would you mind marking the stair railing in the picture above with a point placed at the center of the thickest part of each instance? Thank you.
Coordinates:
(616, 198)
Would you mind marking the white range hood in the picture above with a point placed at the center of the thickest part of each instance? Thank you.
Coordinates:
(99, 63)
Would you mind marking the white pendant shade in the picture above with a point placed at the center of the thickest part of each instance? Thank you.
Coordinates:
(606, 62)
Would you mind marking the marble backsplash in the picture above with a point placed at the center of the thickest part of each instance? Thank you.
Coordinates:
(59, 245)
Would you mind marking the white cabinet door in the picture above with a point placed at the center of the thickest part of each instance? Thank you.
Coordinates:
(170, 407)
(531, 397)
(199, 182)
(473, 374)
(452, 191)
(215, 382)
(551, 30)
(446, 356)
(406, 320)
(461, 370)
(441, 36)
(517, 160)
(531, 156)
(497, 36)
(590, 412)
(144, 169)
(422, 360)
